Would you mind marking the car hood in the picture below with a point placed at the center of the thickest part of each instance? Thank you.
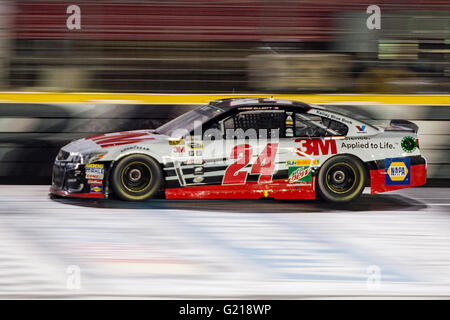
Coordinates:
(103, 142)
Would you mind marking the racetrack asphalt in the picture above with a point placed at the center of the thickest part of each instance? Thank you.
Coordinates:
(389, 245)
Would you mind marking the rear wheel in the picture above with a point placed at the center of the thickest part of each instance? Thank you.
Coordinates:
(136, 178)
(341, 179)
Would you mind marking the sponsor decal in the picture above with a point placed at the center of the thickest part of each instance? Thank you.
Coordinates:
(195, 145)
(358, 138)
(409, 144)
(94, 165)
(198, 170)
(120, 138)
(367, 145)
(303, 162)
(289, 121)
(135, 148)
(356, 145)
(95, 182)
(178, 149)
(90, 170)
(289, 132)
(198, 179)
(94, 176)
(299, 174)
(330, 116)
(315, 147)
(193, 161)
(361, 129)
(397, 171)
(176, 142)
(96, 188)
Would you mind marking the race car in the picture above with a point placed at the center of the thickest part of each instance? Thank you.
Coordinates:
(245, 148)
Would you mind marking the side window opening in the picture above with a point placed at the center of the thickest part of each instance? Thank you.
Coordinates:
(307, 125)
(257, 122)
(214, 132)
(336, 126)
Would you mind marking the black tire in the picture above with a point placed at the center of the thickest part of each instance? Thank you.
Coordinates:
(341, 179)
(136, 178)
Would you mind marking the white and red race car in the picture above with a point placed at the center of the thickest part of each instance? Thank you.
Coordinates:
(244, 148)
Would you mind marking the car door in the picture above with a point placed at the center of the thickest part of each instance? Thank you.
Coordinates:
(242, 160)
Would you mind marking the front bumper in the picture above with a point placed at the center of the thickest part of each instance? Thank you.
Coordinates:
(78, 180)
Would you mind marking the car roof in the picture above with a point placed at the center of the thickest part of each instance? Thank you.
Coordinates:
(233, 103)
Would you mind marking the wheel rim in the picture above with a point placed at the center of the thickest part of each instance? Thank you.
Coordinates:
(136, 176)
(340, 178)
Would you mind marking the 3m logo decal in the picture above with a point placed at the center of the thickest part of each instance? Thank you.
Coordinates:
(299, 174)
(121, 138)
(315, 147)
(178, 149)
(398, 171)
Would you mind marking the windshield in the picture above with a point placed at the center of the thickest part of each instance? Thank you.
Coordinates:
(188, 122)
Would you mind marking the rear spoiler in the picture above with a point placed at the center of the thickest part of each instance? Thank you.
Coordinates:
(403, 125)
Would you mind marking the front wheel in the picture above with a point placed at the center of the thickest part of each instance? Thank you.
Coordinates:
(341, 179)
(136, 178)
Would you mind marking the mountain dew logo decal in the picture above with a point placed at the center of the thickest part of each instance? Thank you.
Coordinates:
(299, 174)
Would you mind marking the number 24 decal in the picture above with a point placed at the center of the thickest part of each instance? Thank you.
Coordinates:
(264, 165)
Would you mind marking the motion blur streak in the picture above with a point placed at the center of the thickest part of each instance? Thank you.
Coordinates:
(227, 46)
(389, 245)
(173, 249)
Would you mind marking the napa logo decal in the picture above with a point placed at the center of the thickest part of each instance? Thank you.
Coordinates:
(398, 171)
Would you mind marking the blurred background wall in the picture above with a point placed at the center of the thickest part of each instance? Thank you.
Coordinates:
(213, 46)
(229, 46)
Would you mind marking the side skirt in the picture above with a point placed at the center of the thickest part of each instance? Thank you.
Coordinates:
(277, 189)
